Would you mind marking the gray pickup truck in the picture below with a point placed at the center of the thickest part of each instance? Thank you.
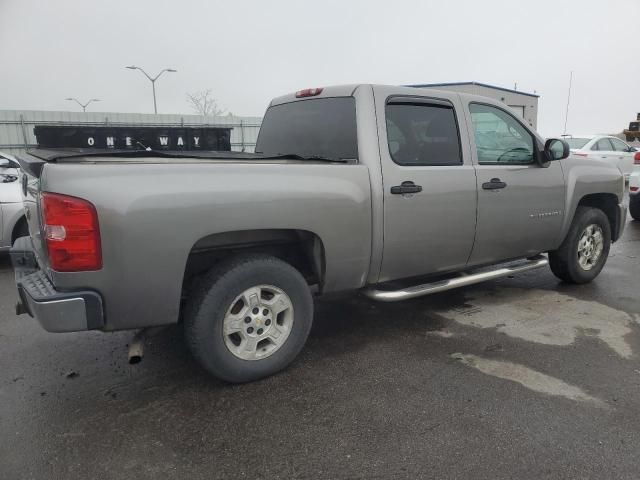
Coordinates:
(394, 192)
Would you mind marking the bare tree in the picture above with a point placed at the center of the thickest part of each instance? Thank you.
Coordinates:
(203, 103)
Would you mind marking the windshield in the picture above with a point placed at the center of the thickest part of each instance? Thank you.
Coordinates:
(576, 142)
(324, 127)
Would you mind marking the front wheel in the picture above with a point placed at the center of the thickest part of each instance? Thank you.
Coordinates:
(634, 206)
(585, 249)
(249, 318)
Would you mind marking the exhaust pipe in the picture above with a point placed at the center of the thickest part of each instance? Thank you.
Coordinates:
(136, 347)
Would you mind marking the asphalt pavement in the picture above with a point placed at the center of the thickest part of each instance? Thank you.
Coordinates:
(525, 378)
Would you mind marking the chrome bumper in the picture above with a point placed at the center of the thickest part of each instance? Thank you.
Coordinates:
(56, 311)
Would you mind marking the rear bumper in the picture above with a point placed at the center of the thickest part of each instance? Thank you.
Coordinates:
(56, 311)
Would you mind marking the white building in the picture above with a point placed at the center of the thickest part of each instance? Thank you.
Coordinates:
(524, 104)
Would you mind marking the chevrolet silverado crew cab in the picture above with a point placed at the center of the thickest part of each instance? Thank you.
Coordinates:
(395, 192)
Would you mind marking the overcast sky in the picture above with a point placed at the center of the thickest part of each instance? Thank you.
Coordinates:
(249, 51)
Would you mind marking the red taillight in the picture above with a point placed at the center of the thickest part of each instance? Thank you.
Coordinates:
(71, 233)
(308, 92)
(634, 189)
(636, 158)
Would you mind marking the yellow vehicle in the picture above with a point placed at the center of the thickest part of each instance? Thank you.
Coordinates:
(633, 132)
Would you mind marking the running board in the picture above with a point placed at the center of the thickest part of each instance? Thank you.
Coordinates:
(464, 280)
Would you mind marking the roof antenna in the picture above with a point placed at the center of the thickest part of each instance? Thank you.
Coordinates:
(566, 115)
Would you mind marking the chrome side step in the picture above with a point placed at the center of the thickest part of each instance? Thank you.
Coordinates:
(461, 281)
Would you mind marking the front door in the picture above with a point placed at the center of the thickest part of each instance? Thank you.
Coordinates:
(429, 186)
(624, 156)
(520, 202)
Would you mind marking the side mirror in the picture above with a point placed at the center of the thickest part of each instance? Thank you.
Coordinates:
(556, 149)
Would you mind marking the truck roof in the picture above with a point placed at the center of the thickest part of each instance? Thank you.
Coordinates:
(348, 91)
(330, 91)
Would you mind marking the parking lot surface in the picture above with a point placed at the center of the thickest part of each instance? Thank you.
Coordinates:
(524, 377)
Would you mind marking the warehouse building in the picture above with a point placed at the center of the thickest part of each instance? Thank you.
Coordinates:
(524, 104)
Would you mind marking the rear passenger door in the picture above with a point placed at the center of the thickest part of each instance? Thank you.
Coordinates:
(429, 186)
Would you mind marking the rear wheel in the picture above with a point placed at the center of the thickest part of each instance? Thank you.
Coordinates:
(585, 249)
(249, 318)
(634, 206)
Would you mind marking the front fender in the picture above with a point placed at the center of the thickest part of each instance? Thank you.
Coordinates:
(585, 177)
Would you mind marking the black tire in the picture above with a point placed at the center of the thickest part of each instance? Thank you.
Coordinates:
(215, 294)
(564, 261)
(634, 206)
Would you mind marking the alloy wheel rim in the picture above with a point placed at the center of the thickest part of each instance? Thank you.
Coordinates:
(590, 246)
(258, 322)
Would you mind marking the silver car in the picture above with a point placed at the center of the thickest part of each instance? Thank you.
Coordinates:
(603, 147)
(12, 221)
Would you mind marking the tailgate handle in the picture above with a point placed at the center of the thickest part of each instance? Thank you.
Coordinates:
(494, 184)
(406, 187)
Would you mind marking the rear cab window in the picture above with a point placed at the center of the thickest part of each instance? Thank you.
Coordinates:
(321, 127)
(422, 133)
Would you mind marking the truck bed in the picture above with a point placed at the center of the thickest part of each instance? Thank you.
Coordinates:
(34, 160)
(155, 209)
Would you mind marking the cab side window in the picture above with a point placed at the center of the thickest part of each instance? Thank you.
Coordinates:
(603, 145)
(500, 138)
(422, 134)
(619, 145)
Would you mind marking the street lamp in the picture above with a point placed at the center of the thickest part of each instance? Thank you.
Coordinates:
(153, 81)
(83, 105)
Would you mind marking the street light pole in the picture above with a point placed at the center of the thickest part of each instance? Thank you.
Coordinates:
(153, 81)
(83, 105)
(153, 87)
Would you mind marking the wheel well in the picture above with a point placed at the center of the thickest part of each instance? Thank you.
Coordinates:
(19, 229)
(300, 248)
(608, 203)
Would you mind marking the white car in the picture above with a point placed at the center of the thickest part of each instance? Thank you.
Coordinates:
(634, 188)
(603, 147)
(12, 221)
